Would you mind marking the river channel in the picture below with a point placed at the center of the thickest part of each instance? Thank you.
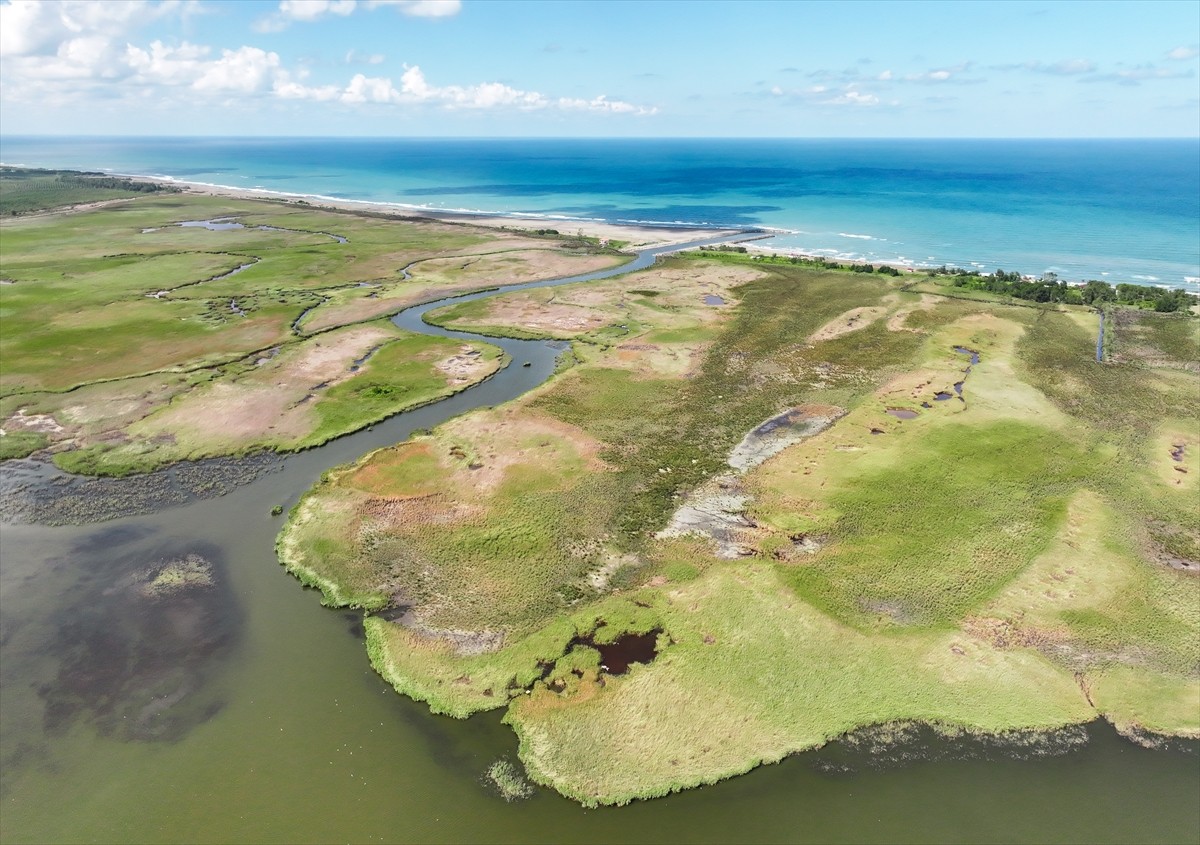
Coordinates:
(252, 714)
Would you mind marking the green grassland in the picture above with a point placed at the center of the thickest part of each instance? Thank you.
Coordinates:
(1022, 559)
(114, 318)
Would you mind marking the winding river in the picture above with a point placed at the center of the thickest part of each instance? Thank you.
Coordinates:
(253, 714)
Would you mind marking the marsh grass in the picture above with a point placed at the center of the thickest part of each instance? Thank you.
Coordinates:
(504, 775)
(924, 540)
(939, 592)
(20, 444)
(752, 675)
(126, 297)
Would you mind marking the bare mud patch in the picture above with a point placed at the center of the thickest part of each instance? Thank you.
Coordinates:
(466, 367)
(774, 435)
(717, 509)
(22, 420)
(465, 643)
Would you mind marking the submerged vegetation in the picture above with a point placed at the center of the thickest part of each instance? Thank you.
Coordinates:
(509, 781)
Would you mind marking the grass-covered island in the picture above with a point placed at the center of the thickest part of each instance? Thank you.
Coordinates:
(760, 505)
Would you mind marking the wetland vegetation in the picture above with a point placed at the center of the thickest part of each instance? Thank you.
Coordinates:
(1023, 560)
(136, 343)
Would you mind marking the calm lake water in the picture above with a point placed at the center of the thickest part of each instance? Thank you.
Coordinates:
(252, 714)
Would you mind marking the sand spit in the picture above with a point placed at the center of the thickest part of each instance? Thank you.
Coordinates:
(636, 235)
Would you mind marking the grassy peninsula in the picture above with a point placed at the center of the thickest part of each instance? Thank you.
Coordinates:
(769, 504)
(151, 327)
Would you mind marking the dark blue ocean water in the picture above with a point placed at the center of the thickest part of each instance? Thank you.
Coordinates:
(1119, 210)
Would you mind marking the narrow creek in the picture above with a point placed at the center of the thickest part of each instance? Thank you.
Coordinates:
(251, 713)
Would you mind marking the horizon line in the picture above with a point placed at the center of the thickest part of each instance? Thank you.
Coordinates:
(15, 135)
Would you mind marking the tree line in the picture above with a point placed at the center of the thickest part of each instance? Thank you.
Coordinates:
(1093, 292)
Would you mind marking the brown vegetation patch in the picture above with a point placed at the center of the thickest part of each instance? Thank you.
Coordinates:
(467, 367)
(500, 440)
(852, 320)
(409, 513)
(509, 267)
(659, 360)
(270, 402)
(896, 322)
(554, 317)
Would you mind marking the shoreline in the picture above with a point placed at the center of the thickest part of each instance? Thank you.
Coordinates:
(635, 233)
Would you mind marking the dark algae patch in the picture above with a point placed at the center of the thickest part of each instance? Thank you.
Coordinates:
(139, 645)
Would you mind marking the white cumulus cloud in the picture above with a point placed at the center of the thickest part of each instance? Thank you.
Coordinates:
(307, 11)
(244, 70)
(1180, 54)
(163, 65)
(824, 95)
(416, 89)
(311, 10)
(34, 27)
(421, 8)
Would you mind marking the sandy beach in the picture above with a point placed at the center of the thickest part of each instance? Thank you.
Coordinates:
(632, 235)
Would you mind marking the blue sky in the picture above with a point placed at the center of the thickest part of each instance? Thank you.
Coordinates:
(600, 68)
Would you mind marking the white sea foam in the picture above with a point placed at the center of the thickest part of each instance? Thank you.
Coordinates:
(1146, 278)
(859, 237)
(1192, 280)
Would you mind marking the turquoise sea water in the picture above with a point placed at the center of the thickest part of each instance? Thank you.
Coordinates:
(1118, 210)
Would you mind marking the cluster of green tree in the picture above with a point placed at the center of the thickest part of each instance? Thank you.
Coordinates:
(724, 248)
(1051, 289)
(882, 269)
(822, 263)
(115, 183)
